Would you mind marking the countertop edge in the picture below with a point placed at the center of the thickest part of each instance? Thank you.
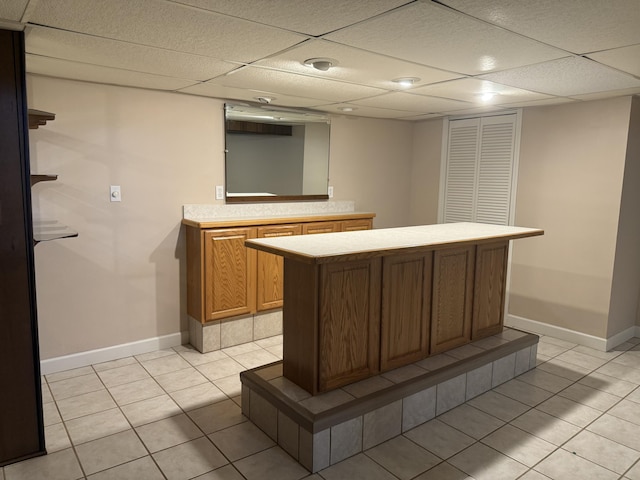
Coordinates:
(277, 220)
(372, 253)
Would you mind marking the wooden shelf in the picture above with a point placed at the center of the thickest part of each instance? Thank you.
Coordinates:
(39, 117)
(45, 230)
(42, 178)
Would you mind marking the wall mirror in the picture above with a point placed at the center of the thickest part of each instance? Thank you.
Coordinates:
(275, 153)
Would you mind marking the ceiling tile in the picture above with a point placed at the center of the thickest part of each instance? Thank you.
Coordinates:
(82, 48)
(474, 111)
(354, 65)
(297, 85)
(565, 77)
(428, 116)
(471, 90)
(311, 17)
(614, 93)
(92, 73)
(626, 59)
(13, 10)
(208, 89)
(433, 35)
(578, 26)
(538, 103)
(166, 25)
(364, 111)
(413, 103)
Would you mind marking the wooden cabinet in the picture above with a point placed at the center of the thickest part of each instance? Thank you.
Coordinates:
(225, 279)
(359, 224)
(406, 309)
(229, 273)
(452, 298)
(271, 268)
(321, 227)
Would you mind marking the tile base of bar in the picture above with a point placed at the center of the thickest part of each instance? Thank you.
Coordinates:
(234, 331)
(319, 431)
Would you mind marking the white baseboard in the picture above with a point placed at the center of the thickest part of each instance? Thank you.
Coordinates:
(602, 344)
(622, 337)
(82, 359)
(572, 336)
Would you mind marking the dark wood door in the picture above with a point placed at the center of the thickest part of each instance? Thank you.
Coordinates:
(22, 431)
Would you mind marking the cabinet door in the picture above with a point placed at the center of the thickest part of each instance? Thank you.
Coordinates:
(349, 322)
(271, 268)
(359, 224)
(489, 289)
(406, 309)
(320, 227)
(452, 298)
(229, 273)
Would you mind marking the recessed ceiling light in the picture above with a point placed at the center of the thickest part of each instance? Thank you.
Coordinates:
(265, 99)
(322, 64)
(347, 109)
(487, 96)
(406, 81)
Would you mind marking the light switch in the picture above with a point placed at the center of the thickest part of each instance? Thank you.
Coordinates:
(219, 192)
(115, 195)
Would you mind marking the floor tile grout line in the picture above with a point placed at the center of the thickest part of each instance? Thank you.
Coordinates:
(73, 446)
(582, 428)
(534, 407)
(132, 427)
(554, 394)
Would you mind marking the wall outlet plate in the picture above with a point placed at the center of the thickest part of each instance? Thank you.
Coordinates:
(219, 192)
(330, 192)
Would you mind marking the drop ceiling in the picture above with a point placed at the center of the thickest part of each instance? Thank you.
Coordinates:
(469, 56)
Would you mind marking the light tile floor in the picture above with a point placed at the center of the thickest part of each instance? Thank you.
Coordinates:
(175, 414)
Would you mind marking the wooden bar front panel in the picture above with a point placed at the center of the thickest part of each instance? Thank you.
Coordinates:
(300, 322)
(489, 291)
(452, 298)
(406, 309)
(349, 325)
(271, 268)
(228, 272)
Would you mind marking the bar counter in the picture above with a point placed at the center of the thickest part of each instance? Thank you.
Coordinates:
(364, 302)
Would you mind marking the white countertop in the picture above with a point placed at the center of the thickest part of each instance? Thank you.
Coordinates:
(324, 247)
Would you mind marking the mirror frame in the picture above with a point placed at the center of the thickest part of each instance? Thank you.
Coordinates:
(269, 198)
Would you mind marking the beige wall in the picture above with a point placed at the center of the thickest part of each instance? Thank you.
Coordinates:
(570, 181)
(425, 171)
(625, 290)
(123, 280)
(371, 164)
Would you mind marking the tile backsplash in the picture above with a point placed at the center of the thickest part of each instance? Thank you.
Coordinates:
(206, 211)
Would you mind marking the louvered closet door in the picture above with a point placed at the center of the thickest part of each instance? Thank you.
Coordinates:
(460, 186)
(495, 168)
(479, 170)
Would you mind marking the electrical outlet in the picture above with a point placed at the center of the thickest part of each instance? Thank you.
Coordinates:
(330, 192)
(115, 194)
(219, 192)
